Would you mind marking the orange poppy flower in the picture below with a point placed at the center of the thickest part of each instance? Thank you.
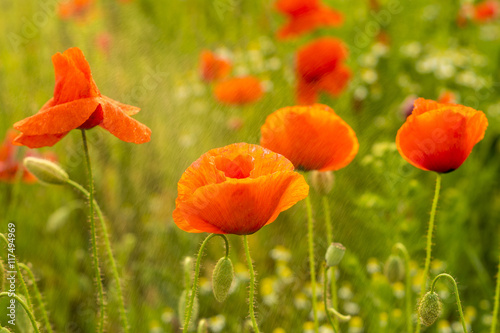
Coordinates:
(320, 68)
(439, 137)
(213, 67)
(77, 103)
(239, 91)
(9, 163)
(236, 189)
(447, 97)
(312, 137)
(305, 16)
(74, 8)
(486, 11)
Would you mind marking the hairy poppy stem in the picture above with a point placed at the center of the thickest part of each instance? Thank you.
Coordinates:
(401, 248)
(97, 269)
(252, 285)
(329, 237)
(38, 297)
(423, 287)
(111, 258)
(333, 322)
(497, 302)
(26, 308)
(24, 288)
(455, 287)
(194, 288)
(312, 269)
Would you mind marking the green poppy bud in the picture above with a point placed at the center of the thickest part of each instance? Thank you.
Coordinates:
(334, 254)
(394, 269)
(429, 308)
(222, 278)
(183, 301)
(46, 171)
(322, 181)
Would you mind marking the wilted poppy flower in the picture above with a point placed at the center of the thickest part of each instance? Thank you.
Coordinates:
(236, 189)
(320, 68)
(77, 103)
(439, 137)
(239, 91)
(305, 16)
(74, 8)
(311, 137)
(213, 67)
(10, 164)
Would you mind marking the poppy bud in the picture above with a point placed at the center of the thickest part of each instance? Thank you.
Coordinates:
(222, 279)
(394, 269)
(334, 254)
(322, 181)
(429, 308)
(202, 326)
(183, 300)
(46, 171)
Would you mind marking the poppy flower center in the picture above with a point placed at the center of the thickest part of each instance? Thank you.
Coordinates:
(238, 168)
(95, 119)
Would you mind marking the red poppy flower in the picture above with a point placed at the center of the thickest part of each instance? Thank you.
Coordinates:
(236, 189)
(74, 8)
(239, 91)
(320, 68)
(312, 137)
(213, 67)
(305, 16)
(10, 164)
(486, 11)
(77, 103)
(447, 97)
(439, 137)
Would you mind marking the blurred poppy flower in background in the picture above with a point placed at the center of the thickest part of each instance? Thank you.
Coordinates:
(438, 136)
(77, 103)
(74, 8)
(311, 137)
(239, 91)
(305, 16)
(213, 68)
(236, 189)
(486, 11)
(320, 68)
(10, 164)
(447, 97)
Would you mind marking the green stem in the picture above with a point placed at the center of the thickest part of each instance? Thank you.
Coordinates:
(423, 287)
(38, 297)
(24, 288)
(329, 237)
(312, 269)
(404, 252)
(194, 288)
(455, 287)
(111, 258)
(252, 285)
(333, 322)
(97, 269)
(497, 302)
(26, 308)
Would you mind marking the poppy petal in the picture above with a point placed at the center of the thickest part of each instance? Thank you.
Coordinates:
(59, 118)
(128, 109)
(307, 93)
(38, 141)
(243, 206)
(335, 82)
(122, 126)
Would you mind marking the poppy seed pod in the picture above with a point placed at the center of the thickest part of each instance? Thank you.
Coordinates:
(394, 269)
(46, 171)
(322, 182)
(429, 308)
(222, 279)
(334, 254)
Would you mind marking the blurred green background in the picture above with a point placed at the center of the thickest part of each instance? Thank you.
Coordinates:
(146, 53)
